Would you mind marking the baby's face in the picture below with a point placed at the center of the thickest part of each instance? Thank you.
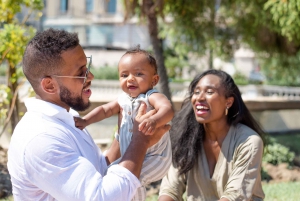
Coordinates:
(136, 74)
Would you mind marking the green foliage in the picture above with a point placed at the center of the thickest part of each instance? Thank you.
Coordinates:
(139, 8)
(174, 63)
(240, 79)
(264, 175)
(285, 17)
(269, 27)
(106, 73)
(10, 8)
(273, 33)
(179, 80)
(290, 140)
(200, 26)
(277, 153)
(14, 36)
(282, 69)
(5, 98)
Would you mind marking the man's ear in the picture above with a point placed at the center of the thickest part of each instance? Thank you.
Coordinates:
(48, 85)
(155, 80)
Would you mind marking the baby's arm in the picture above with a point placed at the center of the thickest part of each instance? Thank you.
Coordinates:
(163, 115)
(98, 114)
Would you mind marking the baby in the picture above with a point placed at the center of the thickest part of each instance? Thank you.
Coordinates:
(138, 75)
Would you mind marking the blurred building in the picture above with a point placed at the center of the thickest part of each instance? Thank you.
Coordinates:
(104, 34)
(100, 27)
(98, 22)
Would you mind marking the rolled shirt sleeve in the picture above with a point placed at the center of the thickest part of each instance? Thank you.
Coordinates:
(173, 184)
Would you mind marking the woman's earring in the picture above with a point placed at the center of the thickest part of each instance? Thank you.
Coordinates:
(226, 111)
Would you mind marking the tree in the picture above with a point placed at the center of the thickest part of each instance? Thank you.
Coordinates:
(269, 27)
(14, 36)
(199, 26)
(151, 10)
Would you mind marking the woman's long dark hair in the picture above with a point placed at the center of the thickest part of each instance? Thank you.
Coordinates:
(187, 134)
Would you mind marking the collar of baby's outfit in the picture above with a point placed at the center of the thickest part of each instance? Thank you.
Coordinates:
(132, 99)
(51, 110)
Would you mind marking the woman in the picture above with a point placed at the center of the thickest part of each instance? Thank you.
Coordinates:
(217, 145)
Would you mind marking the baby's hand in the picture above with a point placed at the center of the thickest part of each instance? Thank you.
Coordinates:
(80, 123)
(148, 126)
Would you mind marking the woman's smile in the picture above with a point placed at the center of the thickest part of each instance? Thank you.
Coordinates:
(201, 109)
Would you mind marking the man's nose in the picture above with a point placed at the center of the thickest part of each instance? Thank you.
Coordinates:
(90, 76)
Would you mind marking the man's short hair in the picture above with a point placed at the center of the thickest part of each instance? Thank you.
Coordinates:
(42, 56)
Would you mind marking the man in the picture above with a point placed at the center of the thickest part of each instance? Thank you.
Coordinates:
(49, 158)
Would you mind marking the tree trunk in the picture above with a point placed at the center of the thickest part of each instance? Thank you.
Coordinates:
(13, 86)
(212, 22)
(211, 58)
(157, 48)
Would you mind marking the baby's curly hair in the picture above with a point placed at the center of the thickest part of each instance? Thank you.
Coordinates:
(42, 56)
(137, 49)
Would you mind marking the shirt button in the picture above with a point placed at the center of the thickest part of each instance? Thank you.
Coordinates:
(129, 113)
(130, 130)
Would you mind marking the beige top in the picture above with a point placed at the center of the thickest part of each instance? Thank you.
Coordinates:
(236, 176)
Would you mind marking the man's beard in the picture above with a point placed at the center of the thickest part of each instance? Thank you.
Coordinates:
(76, 103)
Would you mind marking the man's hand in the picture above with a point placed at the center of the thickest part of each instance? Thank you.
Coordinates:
(148, 126)
(135, 153)
(140, 117)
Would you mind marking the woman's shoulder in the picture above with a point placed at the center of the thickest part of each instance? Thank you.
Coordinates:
(244, 134)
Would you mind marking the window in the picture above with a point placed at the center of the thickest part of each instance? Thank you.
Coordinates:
(64, 5)
(111, 6)
(89, 6)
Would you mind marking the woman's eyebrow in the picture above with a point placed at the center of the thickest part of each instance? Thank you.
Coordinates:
(207, 86)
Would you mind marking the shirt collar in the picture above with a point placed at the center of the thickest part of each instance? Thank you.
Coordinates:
(51, 110)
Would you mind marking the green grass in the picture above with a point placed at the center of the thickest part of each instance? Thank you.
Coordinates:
(282, 191)
(152, 198)
(273, 192)
(10, 198)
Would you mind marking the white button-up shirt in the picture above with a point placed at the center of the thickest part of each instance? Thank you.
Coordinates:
(50, 159)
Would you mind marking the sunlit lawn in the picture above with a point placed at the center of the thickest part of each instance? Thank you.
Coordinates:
(10, 198)
(282, 191)
(274, 192)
